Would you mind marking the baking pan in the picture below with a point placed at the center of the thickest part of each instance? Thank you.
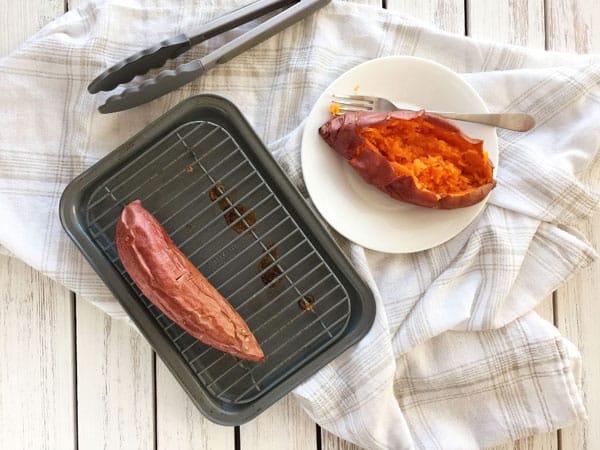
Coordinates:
(205, 175)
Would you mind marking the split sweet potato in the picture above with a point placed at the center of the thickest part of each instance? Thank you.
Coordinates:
(415, 157)
(170, 281)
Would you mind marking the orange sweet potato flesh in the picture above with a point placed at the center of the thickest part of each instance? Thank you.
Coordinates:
(413, 156)
(170, 281)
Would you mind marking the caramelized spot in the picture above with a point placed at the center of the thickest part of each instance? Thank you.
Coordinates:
(307, 302)
(234, 213)
(273, 272)
(216, 191)
(233, 216)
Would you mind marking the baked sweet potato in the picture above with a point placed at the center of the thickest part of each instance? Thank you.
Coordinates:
(170, 281)
(415, 157)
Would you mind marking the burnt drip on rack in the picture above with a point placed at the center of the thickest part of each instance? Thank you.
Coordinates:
(307, 302)
(239, 226)
(271, 274)
(233, 212)
(240, 220)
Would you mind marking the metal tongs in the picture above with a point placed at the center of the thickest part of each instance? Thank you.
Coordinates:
(156, 56)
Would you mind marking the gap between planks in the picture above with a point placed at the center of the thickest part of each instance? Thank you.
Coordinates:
(73, 301)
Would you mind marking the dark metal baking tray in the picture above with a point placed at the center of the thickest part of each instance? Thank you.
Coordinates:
(207, 177)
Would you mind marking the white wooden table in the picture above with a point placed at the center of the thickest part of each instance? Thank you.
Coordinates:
(70, 377)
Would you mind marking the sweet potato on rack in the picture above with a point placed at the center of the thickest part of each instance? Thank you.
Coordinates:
(170, 281)
(413, 156)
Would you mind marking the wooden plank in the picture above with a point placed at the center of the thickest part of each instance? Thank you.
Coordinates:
(519, 22)
(21, 19)
(330, 442)
(116, 378)
(284, 425)
(448, 15)
(366, 2)
(37, 401)
(179, 423)
(507, 21)
(37, 405)
(573, 25)
(115, 383)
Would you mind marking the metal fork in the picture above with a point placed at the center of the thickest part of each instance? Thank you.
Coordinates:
(509, 121)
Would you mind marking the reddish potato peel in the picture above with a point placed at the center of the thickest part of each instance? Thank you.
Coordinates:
(413, 156)
(170, 281)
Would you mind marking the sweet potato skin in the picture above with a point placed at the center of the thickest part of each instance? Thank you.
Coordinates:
(170, 281)
(341, 133)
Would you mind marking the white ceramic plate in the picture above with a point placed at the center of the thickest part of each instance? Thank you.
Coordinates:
(361, 212)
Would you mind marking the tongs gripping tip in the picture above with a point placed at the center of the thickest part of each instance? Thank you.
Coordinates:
(156, 56)
(140, 63)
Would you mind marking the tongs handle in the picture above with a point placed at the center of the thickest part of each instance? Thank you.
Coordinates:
(272, 26)
(168, 80)
(156, 56)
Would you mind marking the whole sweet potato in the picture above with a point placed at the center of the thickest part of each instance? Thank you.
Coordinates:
(170, 281)
(414, 157)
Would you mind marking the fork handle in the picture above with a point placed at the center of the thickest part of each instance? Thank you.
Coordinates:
(509, 121)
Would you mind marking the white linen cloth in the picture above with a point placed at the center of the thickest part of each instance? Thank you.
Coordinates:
(456, 357)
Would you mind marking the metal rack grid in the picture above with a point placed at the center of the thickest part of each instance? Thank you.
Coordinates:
(260, 260)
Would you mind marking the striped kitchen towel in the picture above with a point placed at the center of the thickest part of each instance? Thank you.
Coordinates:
(456, 358)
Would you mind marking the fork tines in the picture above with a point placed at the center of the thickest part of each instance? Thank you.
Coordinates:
(346, 103)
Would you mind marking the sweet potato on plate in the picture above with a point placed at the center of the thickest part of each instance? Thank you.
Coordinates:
(413, 156)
